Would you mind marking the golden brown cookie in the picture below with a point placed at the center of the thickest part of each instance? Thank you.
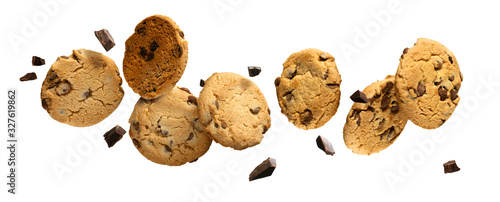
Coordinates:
(309, 88)
(233, 110)
(427, 82)
(373, 126)
(167, 131)
(155, 56)
(82, 89)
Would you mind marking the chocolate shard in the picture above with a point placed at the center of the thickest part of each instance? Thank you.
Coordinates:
(450, 167)
(359, 96)
(105, 38)
(28, 77)
(37, 61)
(325, 145)
(265, 169)
(202, 82)
(114, 135)
(253, 71)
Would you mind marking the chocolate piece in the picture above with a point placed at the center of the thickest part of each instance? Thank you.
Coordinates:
(451, 77)
(105, 38)
(324, 56)
(277, 81)
(450, 167)
(185, 89)
(202, 82)
(404, 52)
(420, 90)
(451, 59)
(191, 135)
(325, 145)
(63, 88)
(192, 100)
(443, 93)
(265, 169)
(395, 109)
(37, 61)
(255, 110)
(438, 65)
(332, 85)
(28, 77)
(453, 94)
(385, 102)
(114, 135)
(253, 71)
(387, 87)
(306, 116)
(359, 96)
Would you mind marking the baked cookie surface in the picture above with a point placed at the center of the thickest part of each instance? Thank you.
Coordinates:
(372, 127)
(82, 89)
(155, 56)
(427, 82)
(308, 90)
(167, 131)
(233, 110)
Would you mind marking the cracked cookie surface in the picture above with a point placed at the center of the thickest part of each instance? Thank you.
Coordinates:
(428, 80)
(233, 110)
(82, 89)
(373, 126)
(167, 130)
(155, 56)
(309, 88)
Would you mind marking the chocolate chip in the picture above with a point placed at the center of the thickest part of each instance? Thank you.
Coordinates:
(395, 109)
(453, 94)
(268, 111)
(114, 135)
(63, 88)
(359, 96)
(324, 56)
(202, 83)
(253, 71)
(325, 145)
(136, 143)
(289, 96)
(385, 102)
(192, 100)
(64, 57)
(264, 129)
(461, 76)
(216, 125)
(105, 38)
(255, 110)
(437, 82)
(86, 94)
(141, 30)
(52, 75)
(387, 87)
(143, 52)
(168, 149)
(150, 57)
(404, 52)
(45, 105)
(177, 52)
(153, 46)
(28, 77)
(265, 169)
(135, 126)
(223, 125)
(291, 74)
(37, 61)
(191, 135)
(438, 65)
(451, 77)
(163, 132)
(420, 90)
(306, 117)
(357, 117)
(332, 86)
(450, 167)
(451, 59)
(277, 81)
(181, 34)
(185, 89)
(443, 93)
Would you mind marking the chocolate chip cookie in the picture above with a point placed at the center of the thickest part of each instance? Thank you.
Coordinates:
(166, 130)
(309, 88)
(427, 82)
(374, 125)
(155, 56)
(82, 89)
(233, 110)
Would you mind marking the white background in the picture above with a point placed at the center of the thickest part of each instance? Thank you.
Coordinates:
(238, 34)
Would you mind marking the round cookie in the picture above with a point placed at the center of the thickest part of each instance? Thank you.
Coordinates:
(82, 89)
(167, 131)
(309, 88)
(372, 127)
(427, 82)
(155, 56)
(233, 110)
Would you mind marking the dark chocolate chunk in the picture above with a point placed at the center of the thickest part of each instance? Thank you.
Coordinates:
(325, 145)
(451, 77)
(438, 65)
(185, 89)
(255, 110)
(385, 102)
(395, 109)
(387, 87)
(324, 56)
(45, 105)
(450, 167)
(191, 135)
(307, 116)
(332, 85)
(202, 82)
(277, 81)
(453, 94)
(114, 135)
(265, 169)
(420, 90)
(451, 59)
(105, 38)
(136, 143)
(63, 88)
(443, 93)
(37, 61)
(181, 34)
(223, 125)
(28, 77)
(192, 100)
(253, 71)
(153, 46)
(437, 82)
(404, 52)
(289, 96)
(359, 96)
